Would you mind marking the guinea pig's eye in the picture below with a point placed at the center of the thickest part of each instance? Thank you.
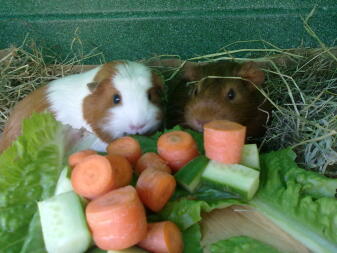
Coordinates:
(231, 94)
(116, 99)
(154, 95)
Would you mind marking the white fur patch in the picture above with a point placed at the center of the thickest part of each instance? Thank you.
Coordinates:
(66, 98)
(132, 80)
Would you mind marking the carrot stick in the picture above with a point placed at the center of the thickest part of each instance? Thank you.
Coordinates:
(163, 237)
(123, 170)
(117, 219)
(93, 176)
(125, 146)
(155, 187)
(151, 159)
(177, 148)
(224, 140)
(77, 157)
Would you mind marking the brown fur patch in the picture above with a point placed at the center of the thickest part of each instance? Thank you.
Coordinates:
(97, 104)
(34, 102)
(155, 93)
(251, 71)
(107, 71)
(212, 100)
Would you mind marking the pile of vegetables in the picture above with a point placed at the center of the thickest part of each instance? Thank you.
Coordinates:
(299, 201)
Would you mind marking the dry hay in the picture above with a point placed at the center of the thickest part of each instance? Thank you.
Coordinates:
(301, 84)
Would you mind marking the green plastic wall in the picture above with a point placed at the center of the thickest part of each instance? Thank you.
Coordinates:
(134, 29)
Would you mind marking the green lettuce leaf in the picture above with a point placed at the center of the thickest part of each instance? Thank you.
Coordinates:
(192, 239)
(297, 206)
(199, 138)
(149, 143)
(187, 212)
(34, 240)
(204, 193)
(242, 244)
(29, 170)
(313, 184)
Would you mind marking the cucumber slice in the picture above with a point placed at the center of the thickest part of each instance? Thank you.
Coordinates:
(63, 224)
(190, 175)
(232, 177)
(129, 250)
(250, 156)
(64, 183)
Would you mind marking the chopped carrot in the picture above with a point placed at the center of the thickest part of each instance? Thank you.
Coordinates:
(163, 237)
(126, 146)
(151, 159)
(117, 219)
(93, 176)
(177, 148)
(77, 157)
(155, 187)
(123, 170)
(224, 140)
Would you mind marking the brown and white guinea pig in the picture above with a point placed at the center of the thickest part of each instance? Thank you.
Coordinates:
(214, 97)
(111, 100)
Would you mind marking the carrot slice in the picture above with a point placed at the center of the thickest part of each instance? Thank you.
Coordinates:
(151, 159)
(93, 176)
(155, 187)
(77, 157)
(117, 219)
(163, 237)
(125, 146)
(177, 148)
(123, 170)
(224, 140)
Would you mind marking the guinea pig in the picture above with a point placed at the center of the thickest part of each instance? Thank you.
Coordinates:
(219, 90)
(111, 100)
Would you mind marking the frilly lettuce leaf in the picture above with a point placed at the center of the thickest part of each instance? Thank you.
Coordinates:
(241, 244)
(298, 201)
(29, 170)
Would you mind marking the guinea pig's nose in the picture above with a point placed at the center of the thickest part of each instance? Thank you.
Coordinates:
(136, 127)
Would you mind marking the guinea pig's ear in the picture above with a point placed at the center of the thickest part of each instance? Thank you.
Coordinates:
(192, 72)
(92, 86)
(251, 71)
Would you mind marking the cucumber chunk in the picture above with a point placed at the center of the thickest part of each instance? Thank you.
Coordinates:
(64, 183)
(190, 175)
(231, 177)
(63, 224)
(129, 250)
(250, 156)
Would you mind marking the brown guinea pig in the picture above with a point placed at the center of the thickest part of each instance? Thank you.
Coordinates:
(219, 90)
